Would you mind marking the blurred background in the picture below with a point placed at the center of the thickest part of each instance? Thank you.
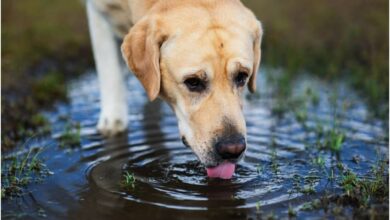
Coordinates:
(46, 42)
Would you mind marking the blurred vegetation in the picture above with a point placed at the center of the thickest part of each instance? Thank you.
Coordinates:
(19, 170)
(337, 40)
(38, 29)
(44, 42)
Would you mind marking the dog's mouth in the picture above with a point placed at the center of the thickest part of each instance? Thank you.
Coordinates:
(224, 170)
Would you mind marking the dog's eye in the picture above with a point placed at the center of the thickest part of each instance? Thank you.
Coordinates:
(240, 79)
(195, 84)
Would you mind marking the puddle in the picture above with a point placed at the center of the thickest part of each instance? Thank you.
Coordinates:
(170, 182)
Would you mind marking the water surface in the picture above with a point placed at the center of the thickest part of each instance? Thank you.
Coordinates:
(172, 184)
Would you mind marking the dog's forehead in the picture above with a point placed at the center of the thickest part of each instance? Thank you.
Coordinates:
(192, 52)
(202, 38)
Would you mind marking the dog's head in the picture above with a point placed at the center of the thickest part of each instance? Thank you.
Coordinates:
(199, 57)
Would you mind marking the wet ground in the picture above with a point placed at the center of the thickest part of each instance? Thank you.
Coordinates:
(289, 161)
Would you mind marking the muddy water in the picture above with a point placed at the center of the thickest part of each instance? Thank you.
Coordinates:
(171, 183)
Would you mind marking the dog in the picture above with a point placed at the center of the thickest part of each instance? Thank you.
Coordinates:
(197, 55)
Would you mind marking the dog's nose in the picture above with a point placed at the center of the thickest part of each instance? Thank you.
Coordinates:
(231, 148)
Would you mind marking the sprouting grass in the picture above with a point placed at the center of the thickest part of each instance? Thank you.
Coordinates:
(308, 190)
(258, 206)
(371, 188)
(301, 115)
(312, 96)
(333, 141)
(71, 136)
(274, 161)
(331, 176)
(304, 185)
(330, 139)
(319, 161)
(309, 182)
(291, 212)
(128, 180)
(333, 138)
(260, 169)
(307, 206)
(286, 102)
(20, 170)
(349, 181)
(271, 216)
(365, 194)
(360, 193)
(282, 86)
(301, 110)
(296, 182)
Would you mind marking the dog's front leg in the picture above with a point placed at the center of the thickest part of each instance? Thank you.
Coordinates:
(113, 115)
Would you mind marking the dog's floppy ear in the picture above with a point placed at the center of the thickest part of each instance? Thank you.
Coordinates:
(141, 51)
(256, 57)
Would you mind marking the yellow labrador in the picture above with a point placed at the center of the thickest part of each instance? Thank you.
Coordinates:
(197, 55)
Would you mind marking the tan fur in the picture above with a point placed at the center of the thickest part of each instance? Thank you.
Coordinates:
(214, 39)
(141, 51)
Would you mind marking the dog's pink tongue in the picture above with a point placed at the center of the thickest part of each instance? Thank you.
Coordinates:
(223, 171)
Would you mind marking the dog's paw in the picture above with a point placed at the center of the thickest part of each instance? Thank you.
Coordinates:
(112, 124)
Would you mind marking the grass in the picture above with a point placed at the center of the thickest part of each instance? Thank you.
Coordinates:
(128, 181)
(285, 102)
(315, 204)
(308, 190)
(362, 194)
(367, 195)
(333, 138)
(300, 108)
(291, 212)
(71, 137)
(260, 169)
(367, 190)
(274, 161)
(258, 210)
(296, 183)
(313, 96)
(20, 170)
(42, 50)
(271, 216)
(333, 141)
(301, 115)
(304, 185)
(349, 181)
(282, 86)
(49, 87)
(35, 30)
(319, 161)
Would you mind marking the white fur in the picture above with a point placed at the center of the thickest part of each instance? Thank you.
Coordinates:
(114, 113)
